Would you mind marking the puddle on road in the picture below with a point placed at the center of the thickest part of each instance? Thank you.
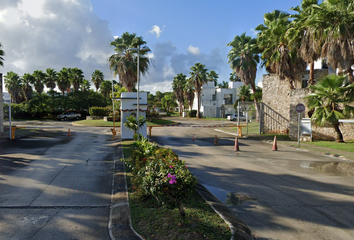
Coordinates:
(229, 198)
(336, 168)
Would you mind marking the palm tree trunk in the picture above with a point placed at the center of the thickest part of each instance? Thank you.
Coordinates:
(255, 99)
(312, 74)
(198, 107)
(339, 135)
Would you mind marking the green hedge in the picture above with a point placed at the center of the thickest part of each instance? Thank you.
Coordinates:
(192, 113)
(99, 111)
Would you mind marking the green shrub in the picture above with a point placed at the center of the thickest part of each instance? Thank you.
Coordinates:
(161, 175)
(192, 113)
(99, 111)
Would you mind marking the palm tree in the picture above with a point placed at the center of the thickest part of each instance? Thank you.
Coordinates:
(124, 62)
(76, 76)
(85, 86)
(234, 78)
(39, 77)
(106, 88)
(330, 102)
(27, 90)
(336, 19)
(63, 81)
(277, 56)
(51, 78)
(178, 85)
(244, 95)
(198, 78)
(132, 124)
(13, 85)
(305, 35)
(97, 78)
(189, 93)
(243, 58)
(2, 53)
(213, 77)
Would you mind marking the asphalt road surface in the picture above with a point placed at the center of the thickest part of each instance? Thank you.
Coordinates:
(285, 194)
(55, 186)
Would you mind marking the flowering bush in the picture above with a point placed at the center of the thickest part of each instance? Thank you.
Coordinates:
(161, 175)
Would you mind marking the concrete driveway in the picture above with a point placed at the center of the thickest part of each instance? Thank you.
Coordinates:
(55, 186)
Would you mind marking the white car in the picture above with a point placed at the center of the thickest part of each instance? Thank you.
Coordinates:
(234, 117)
(69, 115)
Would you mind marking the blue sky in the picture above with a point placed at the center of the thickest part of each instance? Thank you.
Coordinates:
(37, 34)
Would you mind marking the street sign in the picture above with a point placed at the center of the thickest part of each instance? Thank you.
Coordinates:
(300, 108)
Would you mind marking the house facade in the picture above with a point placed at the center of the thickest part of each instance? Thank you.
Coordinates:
(212, 97)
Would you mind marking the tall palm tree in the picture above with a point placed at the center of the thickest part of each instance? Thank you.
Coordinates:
(277, 56)
(189, 93)
(178, 85)
(124, 62)
(97, 78)
(336, 19)
(63, 81)
(27, 90)
(39, 77)
(2, 53)
(76, 76)
(106, 88)
(198, 78)
(330, 102)
(51, 78)
(213, 77)
(243, 58)
(13, 85)
(305, 35)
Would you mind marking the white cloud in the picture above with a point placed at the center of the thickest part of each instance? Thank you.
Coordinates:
(193, 50)
(38, 34)
(168, 62)
(157, 30)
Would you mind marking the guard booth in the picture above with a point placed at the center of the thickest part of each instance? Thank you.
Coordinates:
(128, 107)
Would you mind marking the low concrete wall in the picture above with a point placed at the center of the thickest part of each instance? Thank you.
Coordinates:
(94, 117)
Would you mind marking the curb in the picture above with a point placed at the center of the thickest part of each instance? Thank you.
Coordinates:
(239, 230)
(120, 225)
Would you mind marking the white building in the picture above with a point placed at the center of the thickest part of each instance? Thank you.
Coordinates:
(212, 97)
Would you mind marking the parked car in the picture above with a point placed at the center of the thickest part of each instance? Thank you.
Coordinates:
(69, 115)
(234, 117)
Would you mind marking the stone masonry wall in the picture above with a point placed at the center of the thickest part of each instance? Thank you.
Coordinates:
(278, 96)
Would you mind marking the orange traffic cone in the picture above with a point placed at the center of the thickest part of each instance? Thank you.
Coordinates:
(275, 146)
(69, 134)
(193, 138)
(216, 141)
(236, 145)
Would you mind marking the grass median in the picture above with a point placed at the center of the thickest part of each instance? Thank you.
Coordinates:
(155, 221)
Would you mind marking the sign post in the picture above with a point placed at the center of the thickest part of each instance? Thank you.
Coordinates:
(300, 108)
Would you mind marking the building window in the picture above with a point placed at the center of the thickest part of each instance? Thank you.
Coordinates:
(214, 97)
(228, 99)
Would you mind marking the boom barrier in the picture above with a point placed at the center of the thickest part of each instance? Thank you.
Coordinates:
(239, 127)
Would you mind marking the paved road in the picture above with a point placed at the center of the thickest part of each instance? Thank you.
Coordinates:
(56, 187)
(278, 194)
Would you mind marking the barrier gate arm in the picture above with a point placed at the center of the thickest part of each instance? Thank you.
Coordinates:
(13, 129)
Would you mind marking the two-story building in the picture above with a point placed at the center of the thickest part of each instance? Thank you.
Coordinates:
(212, 97)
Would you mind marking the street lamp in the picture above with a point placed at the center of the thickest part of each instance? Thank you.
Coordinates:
(143, 49)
